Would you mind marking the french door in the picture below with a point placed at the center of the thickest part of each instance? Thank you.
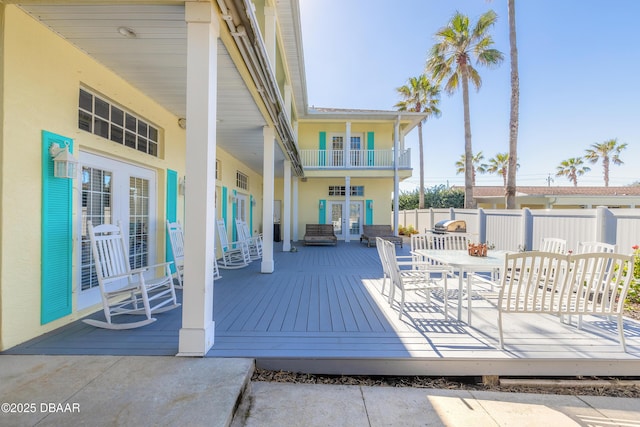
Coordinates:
(113, 192)
(345, 223)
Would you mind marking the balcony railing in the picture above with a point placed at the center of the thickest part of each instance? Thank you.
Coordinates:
(357, 159)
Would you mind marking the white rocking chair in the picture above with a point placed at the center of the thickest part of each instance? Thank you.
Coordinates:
(234, 254)
(123, 290)
(176, 237)
(254, 242)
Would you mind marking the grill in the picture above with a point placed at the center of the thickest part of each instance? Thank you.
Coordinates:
(450, 226)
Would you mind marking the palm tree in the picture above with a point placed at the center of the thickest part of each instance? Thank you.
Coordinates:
(572, 168)
(422, 96)
(609, 152)
(476, 164)
(513, 118)
(450, 58)
(499, 165)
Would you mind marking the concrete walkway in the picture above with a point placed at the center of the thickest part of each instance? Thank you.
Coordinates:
(120, 391)
(277, 404)
(172, 391)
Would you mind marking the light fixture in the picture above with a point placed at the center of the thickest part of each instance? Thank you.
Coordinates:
(64, 164)
(127, 32)
(232, 198)
(182, 122)
(321, 204)
(182, 184)
(253, 202)
(370, 205)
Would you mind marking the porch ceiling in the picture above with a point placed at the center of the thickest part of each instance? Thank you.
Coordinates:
(155, 62)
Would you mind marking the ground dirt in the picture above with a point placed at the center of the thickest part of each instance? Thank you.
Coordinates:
(593, 386)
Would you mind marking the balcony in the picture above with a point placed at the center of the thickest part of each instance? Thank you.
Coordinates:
(354, 159)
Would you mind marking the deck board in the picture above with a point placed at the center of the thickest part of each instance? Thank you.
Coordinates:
(322, 310)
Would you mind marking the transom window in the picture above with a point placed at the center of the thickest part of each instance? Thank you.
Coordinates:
(340, 190)
(242, 180)
(113, 122)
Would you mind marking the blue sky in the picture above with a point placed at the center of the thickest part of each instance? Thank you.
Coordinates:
(579, 79)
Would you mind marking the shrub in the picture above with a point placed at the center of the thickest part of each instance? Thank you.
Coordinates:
(633, 296)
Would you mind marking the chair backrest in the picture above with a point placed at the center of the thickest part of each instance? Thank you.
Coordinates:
(241, 230)
(532, 281)
(553, 244)
(222, 235)
(590, 247)
(450, 241)
(420, 241)
(382, 255)
(176, 238)
(110, 252)
(598, 282)
(393, 269)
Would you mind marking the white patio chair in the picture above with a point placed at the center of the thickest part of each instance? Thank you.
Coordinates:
(234, 254)
(417, 279)
(123, 290)
(254, 242)
(553, 244)
(591, 247)
(176, 238)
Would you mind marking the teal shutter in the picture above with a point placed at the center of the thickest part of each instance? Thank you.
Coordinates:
(322, 211)
(370, 147)
(234, 216)
(57, 236)
(322, 146)
(224, 204)
(368, 220)
(251, 199)
(172, 209)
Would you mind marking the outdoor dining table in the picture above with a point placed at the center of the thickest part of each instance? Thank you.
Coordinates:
(462, 263)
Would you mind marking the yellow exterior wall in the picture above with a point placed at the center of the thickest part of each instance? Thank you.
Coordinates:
(309, 131)
(314, 190)
(229, 166)
(42, 74)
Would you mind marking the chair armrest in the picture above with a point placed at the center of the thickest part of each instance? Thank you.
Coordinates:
(149, 267)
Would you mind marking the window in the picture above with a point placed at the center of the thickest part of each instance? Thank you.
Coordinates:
(242, 181)
(340, 190)
(109, 121)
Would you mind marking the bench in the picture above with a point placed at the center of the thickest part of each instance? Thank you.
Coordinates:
(370, 232)
(319, 234)
(565, 285)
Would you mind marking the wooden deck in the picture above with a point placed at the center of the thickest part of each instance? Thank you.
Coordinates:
(322, 311)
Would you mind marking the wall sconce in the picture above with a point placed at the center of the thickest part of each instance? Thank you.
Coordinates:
(64, 164)
(182, 184)
(321, 204)
(253, 202)
(232, 198)
(370, 205)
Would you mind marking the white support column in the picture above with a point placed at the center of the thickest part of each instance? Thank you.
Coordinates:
(270, 35)
(286, 209)
(294, 219)
(346, 215)
(267, 197)
(196, 336)
(347, 145)
(396, 179)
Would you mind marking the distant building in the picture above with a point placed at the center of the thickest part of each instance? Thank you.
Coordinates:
(492, 197)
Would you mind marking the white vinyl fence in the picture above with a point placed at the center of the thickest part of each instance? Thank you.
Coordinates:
(524, 229)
